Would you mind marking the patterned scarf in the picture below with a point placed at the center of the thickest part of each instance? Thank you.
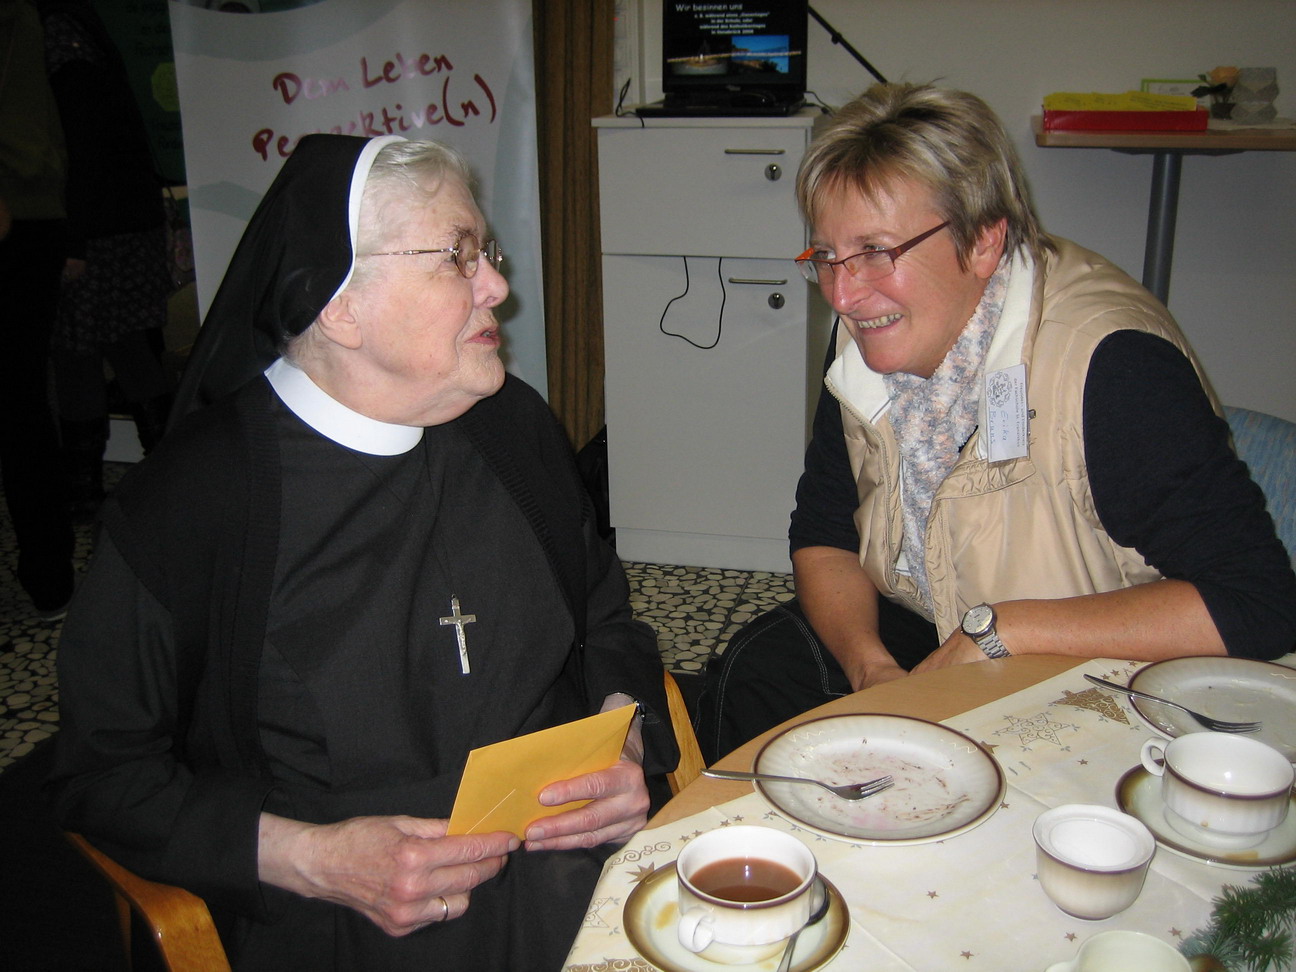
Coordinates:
(933, 418)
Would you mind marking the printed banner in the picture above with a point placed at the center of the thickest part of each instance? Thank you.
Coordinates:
(256, 75)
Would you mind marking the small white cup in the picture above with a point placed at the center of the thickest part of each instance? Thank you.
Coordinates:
(1124, 951)
(736, 932)
(1220, 789)
(1091, 860)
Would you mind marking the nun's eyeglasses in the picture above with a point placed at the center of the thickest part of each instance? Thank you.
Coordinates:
(468, 253)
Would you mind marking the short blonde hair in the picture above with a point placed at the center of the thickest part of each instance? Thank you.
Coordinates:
(950, 141)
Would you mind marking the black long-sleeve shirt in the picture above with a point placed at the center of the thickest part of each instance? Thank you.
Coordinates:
(1164, 478)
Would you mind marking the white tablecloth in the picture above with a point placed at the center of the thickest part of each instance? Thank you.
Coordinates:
(972, 901)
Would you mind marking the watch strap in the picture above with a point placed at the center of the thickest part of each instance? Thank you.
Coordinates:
(991, 644)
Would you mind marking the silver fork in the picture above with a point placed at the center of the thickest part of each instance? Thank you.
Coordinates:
(848, 791)
(1217, 725)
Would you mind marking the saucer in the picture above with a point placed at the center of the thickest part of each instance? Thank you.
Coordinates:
(653, 907)
(1139, 794)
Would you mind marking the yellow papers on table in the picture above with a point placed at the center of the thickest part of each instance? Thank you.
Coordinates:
(1127, 101)
(501, 783)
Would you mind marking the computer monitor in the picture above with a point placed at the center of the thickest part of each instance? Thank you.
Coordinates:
(732, 55)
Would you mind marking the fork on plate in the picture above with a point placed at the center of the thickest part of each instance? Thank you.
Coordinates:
(847, 791)
(1216, 725)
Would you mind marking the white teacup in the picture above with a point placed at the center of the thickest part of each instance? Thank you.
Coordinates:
(1124, 951)
(1091, 860)
(1220, 789)
(742, 891)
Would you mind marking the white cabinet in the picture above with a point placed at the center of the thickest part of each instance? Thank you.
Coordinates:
(713, 340)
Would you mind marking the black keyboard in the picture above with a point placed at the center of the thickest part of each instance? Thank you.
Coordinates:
(663, 109)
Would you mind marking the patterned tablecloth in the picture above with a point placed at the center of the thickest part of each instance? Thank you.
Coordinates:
(971, 901)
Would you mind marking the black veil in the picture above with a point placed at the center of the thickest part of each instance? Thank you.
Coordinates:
(293, 258)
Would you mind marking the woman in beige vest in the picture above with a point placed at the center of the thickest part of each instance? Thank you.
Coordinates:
(1015, 451)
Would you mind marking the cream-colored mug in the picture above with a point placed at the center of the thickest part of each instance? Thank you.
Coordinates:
(1220, 789)
(1091, 860)
(1124, 951)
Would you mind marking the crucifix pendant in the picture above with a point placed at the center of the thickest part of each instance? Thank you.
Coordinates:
(459, 620)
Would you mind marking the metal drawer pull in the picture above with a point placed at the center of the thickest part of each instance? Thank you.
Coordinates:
(758, 283)
(755, 152)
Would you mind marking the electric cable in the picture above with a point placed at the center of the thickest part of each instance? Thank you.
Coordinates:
(724, 297)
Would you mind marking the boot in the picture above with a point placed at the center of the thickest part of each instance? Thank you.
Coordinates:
(150, 419)
(83, 450)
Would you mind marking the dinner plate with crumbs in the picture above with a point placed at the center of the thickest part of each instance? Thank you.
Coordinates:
(652, 912)
(1236, 689)
(945, 782)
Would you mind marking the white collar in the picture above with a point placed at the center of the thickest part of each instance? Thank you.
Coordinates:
(333, 420)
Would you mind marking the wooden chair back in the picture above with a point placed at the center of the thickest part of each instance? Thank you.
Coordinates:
(691, 763)
(180, 923)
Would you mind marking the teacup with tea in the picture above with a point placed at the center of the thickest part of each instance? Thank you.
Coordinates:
(742, 891)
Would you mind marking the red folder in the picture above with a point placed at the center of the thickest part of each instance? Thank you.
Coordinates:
(1126, 121)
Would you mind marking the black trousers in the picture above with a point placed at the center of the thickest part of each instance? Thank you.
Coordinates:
(31, 262)
(776, 667)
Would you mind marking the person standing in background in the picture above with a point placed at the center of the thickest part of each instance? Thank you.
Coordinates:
(32, 251)
(115, 283)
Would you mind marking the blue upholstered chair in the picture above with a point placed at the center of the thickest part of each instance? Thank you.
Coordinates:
(1267, 444)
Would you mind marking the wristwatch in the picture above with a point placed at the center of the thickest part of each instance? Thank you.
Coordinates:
(979, 625)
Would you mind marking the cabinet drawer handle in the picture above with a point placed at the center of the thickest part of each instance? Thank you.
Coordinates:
(758, 283)
(755, 152)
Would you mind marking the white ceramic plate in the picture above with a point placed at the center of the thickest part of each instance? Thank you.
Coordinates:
(652, 910)
(1139, 794)
(1237, 689)
(945, 783)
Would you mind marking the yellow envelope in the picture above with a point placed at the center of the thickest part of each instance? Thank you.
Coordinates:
(501, 783)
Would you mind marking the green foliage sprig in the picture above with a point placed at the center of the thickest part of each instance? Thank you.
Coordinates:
(1252, 929)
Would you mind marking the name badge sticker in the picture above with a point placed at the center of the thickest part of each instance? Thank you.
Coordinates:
(1006, 421)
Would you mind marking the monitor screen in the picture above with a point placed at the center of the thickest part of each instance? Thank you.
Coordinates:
(735, 47)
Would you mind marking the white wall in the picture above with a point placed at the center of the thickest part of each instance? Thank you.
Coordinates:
(1233, 284)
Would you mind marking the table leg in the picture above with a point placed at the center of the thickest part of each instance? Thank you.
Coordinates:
(1162, 210)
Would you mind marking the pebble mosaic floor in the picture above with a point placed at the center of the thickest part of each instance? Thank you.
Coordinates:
(694, 611)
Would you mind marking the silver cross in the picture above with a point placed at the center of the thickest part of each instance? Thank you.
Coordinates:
(459, 620)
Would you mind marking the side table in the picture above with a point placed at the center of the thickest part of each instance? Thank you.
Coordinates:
(1167, 150)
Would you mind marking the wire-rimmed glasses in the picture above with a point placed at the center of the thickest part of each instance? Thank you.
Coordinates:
(865, 265)
(467, 252)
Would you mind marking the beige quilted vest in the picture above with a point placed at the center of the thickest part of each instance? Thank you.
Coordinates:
(1020, 528)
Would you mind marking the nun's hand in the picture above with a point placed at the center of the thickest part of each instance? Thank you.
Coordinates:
(618, 795)
(402, 873)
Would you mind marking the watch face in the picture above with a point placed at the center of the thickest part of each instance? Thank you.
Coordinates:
(978, 620)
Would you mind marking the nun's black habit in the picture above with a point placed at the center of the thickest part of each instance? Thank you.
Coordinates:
(259, 631)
